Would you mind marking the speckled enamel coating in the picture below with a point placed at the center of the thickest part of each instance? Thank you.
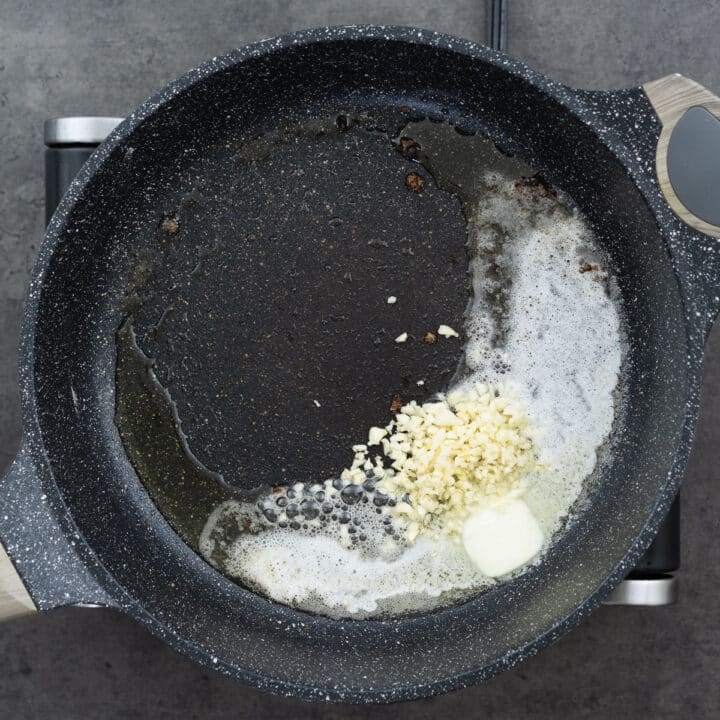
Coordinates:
(80, 528)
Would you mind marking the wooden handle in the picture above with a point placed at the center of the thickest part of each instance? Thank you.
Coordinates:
(671, 97)
(14, 598)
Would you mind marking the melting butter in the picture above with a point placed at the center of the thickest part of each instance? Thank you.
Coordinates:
(501, 539)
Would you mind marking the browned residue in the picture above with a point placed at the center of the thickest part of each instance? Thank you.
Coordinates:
(430, 337)
(409, 148)
(170, 225)
(396, 404)
(588, 267)
(538, 184)
(415, 182)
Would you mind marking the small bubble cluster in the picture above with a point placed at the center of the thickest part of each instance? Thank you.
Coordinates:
(358, 511)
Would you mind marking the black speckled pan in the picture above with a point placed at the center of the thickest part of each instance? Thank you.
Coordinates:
(75, 519)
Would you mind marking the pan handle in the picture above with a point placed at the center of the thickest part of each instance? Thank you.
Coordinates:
(688, 151)
(15, 600)
(43, 563)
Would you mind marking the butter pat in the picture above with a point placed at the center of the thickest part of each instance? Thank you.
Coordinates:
(501, 539)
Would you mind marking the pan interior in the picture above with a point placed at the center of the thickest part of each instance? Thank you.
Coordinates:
(143, 182)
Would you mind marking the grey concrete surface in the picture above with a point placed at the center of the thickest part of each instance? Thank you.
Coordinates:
(79, 56)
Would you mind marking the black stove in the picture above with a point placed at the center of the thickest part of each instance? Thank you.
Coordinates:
(71, 140)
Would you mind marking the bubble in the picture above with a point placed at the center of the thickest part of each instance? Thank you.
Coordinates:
(292, 510)
(370, 483)
(270, 514)
(309, 509)
(351, 494)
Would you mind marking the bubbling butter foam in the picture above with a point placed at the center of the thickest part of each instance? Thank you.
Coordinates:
(542, 324)
(318, 571)
(561, 341)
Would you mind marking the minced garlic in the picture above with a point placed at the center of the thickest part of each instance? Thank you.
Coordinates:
(447, 331)
(375, 435)
(449, 457)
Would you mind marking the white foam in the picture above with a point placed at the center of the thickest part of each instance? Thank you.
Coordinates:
(560, 355)
(317, 572)
(562, 352)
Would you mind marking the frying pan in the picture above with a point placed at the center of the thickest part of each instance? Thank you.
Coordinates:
(198, 166)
